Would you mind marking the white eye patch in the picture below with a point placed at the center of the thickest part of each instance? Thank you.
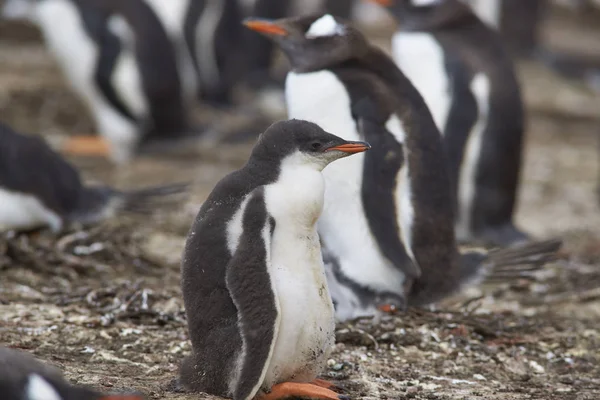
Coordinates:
(39, 389)
(324, 26)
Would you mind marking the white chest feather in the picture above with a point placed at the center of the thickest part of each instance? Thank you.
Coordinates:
(321, 98)
(421, 59)
(20, 212)
(306, 330)
(480, 87)
(39, 389)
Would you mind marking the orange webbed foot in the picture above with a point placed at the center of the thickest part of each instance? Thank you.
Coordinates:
(288, 390)
(86, 146)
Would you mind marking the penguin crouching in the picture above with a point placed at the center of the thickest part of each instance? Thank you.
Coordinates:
(400, 243)
(22, 377)
(462, 70)
(260, 317)
(38, 188)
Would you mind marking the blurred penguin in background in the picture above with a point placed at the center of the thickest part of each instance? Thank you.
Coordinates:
(520, 23)
(141, 64)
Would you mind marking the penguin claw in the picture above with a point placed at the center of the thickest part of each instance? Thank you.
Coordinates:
(86, 146)
(301, 390)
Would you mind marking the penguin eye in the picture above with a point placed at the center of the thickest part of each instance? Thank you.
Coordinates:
(315, 146)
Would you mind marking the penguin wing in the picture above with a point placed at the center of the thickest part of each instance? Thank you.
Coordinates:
(380, 174)
(249, 284)
(28, 165)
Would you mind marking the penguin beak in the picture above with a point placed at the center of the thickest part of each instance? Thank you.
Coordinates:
(384, 3)
(351, 147)
(266, 27)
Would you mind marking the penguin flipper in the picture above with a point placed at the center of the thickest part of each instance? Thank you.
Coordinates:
(380, 172)
(249, 284)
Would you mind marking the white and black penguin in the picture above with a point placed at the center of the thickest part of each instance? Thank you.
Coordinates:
(387, 223)
(260, 316)
(215, 40)
(460, 67)
(38, 188)
(22, 377)
(119, 58)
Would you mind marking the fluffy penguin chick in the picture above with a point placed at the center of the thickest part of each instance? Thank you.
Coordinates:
(38, 188)
(22, 377)
(399, 243)
(256, 297)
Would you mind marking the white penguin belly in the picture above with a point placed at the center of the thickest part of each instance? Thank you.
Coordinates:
(20, 211)
(307, 325)
(321, 98)
(421, 59)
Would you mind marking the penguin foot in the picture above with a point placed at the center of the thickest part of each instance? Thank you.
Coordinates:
(86, 146)
(302, 390)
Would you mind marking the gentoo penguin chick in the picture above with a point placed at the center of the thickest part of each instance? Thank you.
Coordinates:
(469, 83)
(38, 188)
(260, 317)
(399, 243)
(22, 377)
(118, 57)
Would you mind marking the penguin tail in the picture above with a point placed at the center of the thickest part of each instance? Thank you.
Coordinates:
(507, 263)
(148, 200)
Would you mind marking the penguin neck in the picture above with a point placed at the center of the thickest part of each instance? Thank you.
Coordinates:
(439, 17)
(298, 193)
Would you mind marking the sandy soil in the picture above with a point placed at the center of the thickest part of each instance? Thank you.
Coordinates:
(104, 304)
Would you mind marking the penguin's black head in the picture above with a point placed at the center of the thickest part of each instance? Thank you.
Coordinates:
(426, 14)
(313, 42)
(303, 143)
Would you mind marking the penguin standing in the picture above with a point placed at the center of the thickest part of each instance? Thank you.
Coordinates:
(387, 223)
(256, 296)
(38, 188)
(22, 377)
(467, 79)
(119, 60)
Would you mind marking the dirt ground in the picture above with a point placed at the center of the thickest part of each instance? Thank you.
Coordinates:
(104, 304)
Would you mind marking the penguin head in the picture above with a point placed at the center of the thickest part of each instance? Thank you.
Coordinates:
(303, 143)
(425, 14)
(19, 9)
(313, 42)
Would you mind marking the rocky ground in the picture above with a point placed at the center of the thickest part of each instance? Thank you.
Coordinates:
(104, 304)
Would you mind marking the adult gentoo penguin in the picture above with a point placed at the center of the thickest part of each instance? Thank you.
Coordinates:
(399, 243)
(259, 313)
(126, 70)
(38, 188)
(467, 79)
(22, 377)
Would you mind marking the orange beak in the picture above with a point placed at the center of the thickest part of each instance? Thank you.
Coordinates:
(351, 148)
(266, 27)
(388, 308)
(384, 3)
